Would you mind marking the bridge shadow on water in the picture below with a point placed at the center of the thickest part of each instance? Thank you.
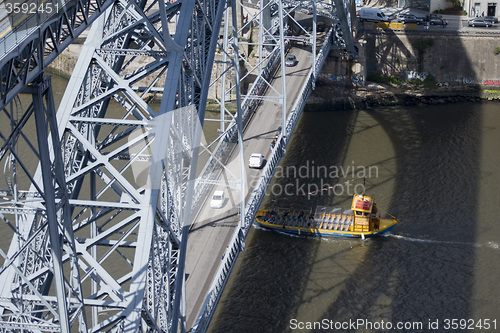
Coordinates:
(422, 273)
(425, 271)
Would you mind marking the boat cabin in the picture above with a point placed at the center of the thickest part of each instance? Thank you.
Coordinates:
(363, 208)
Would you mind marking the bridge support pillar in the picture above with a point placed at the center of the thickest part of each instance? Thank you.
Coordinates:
(56, 202)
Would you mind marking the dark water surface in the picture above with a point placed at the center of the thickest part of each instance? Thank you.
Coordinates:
(438, 171)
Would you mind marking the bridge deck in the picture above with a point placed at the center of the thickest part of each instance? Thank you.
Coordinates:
(210, 235)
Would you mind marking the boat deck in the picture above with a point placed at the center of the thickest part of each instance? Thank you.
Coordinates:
(282, 218)
(336, 225)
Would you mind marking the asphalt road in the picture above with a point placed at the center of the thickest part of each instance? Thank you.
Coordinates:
(214, 228)
(455, 22)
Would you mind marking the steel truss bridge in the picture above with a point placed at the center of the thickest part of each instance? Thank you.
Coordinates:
(98, 198)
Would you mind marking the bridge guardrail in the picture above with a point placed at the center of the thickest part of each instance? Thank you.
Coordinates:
(24, 20)
(236, 244)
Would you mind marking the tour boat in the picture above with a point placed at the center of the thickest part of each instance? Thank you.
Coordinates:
(360, 221)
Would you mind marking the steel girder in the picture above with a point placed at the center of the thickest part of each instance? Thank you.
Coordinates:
(29, 44)
(35, 259)
(337, 10)
(100, 234)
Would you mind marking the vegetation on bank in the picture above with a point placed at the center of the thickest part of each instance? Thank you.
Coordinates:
(491, 91)
(327, 97)
(50, 70)
(215, 107)
(421, 45)
(401, 82)
(455, 9)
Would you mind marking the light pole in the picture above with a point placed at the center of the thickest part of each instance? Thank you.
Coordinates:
(365, 70)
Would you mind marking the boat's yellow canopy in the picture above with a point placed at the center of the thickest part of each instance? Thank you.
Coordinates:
(362, 203)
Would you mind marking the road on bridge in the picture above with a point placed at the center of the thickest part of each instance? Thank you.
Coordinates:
(212, 231)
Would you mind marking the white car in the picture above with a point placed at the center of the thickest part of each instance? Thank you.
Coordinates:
(218, 199)
(256, 161)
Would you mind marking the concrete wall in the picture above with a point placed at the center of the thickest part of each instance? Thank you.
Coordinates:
(469, 6)
(439, 4)
(453, 57)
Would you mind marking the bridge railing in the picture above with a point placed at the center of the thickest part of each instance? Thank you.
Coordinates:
(237, 241)
(22, 19)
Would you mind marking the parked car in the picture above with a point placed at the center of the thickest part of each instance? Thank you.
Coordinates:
(479, 22)
(431, 16)
(291, 60)
(256, 161)
(218, 199)
(437, 20)
(409, 18)
(493, 19)
(371, 14)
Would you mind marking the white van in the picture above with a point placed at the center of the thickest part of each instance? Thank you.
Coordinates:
(372, 15)
(256, 161)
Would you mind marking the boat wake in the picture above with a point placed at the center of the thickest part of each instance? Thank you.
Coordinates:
(491, 245)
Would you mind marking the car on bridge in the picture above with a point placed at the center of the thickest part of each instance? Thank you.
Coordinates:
(256, 161)
(218, 199)
(291, 60)
(479, 22)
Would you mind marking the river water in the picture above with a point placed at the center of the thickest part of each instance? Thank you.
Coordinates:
(434, 167)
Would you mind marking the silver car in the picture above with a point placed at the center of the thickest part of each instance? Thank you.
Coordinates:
(290, 61)
(409, 18)
(493, 19)
(437, 20)
(479, 22)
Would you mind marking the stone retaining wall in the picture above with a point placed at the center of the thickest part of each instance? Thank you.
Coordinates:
(451, 56)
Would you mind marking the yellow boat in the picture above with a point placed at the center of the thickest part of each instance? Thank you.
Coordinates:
(361, 221)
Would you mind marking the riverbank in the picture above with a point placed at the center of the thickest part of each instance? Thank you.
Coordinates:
(339, 97)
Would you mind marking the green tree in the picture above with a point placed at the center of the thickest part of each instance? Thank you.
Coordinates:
(455, 3)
